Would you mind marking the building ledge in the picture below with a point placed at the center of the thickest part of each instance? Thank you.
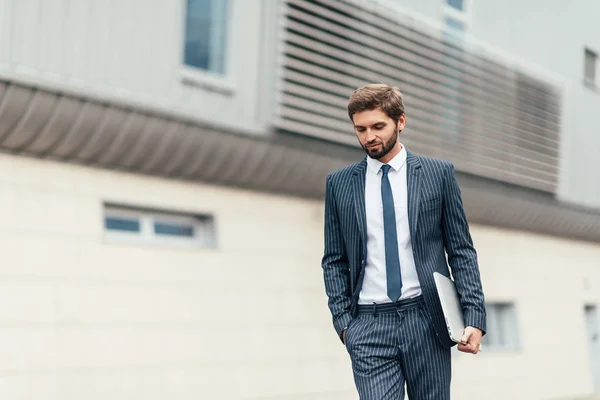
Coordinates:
(49, 124)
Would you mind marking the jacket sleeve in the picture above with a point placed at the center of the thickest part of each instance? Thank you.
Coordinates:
(335, 264)
(462, 256)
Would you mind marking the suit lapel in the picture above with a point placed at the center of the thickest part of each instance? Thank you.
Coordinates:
(413, 176)
(358, 195)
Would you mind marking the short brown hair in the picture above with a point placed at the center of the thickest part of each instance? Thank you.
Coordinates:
(377, 95)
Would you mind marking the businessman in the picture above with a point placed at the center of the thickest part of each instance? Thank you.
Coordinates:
(390, 222)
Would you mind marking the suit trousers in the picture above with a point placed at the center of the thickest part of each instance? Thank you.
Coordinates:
(394, 346)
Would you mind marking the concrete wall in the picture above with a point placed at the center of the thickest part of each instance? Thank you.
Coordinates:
(86, 318)
(550, 281)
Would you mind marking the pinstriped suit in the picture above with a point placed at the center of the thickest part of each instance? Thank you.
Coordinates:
(437, 226)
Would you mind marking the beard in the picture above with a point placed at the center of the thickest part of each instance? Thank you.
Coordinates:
(382, 150)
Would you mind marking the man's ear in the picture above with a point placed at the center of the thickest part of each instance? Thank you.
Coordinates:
(401, 123)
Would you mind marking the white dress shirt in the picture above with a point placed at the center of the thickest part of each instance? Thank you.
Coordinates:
(374, 287)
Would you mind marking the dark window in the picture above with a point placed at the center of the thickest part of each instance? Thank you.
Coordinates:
(173, 229)
(122, 224)
(590, 66)
(205, 34)
(458, 4)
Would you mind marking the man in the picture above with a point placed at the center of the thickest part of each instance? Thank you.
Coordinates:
(390, 221)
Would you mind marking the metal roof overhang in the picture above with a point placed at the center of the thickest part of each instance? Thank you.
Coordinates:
(69, 127)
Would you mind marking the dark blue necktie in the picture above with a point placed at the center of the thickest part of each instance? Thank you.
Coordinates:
(392, 260)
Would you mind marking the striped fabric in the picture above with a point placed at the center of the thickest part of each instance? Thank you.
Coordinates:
(387, 351)
(438, 225)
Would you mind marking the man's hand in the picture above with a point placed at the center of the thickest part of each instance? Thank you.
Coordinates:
(344, 336)
(472, 339)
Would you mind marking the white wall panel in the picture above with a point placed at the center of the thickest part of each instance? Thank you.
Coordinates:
(132, 50)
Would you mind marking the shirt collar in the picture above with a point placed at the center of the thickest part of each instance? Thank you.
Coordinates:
(396, 163)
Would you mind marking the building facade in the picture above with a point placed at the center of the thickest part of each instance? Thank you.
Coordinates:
(162, 174)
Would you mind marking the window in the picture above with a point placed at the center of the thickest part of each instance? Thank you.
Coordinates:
(174, 229)
(206, 35)
(118, 223)
(130, 224)
(455, 24)
(458, 4)
(590, 66)
(456, 16)
(502, 332)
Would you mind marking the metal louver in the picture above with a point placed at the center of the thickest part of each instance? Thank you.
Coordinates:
(490, 119)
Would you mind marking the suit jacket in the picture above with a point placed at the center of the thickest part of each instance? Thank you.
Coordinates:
(438, 226)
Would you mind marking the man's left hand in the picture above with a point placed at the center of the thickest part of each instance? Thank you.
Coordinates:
(472, 339)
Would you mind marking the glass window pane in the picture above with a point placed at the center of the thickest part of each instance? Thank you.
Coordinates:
(205, 34)
(502, 332)
(122, 224)
(490, 339)
(173, 229)
(455, 24)
(458, 4)
(504, 325)
(590, 65)
(512, 331)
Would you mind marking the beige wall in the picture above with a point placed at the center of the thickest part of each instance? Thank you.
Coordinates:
(81, 317)
(550, 280)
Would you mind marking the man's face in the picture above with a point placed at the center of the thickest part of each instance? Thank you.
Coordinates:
(376, 132)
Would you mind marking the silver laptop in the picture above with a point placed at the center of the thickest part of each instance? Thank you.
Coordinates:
(450, 306)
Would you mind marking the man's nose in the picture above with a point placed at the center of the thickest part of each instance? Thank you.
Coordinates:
(370, 136)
